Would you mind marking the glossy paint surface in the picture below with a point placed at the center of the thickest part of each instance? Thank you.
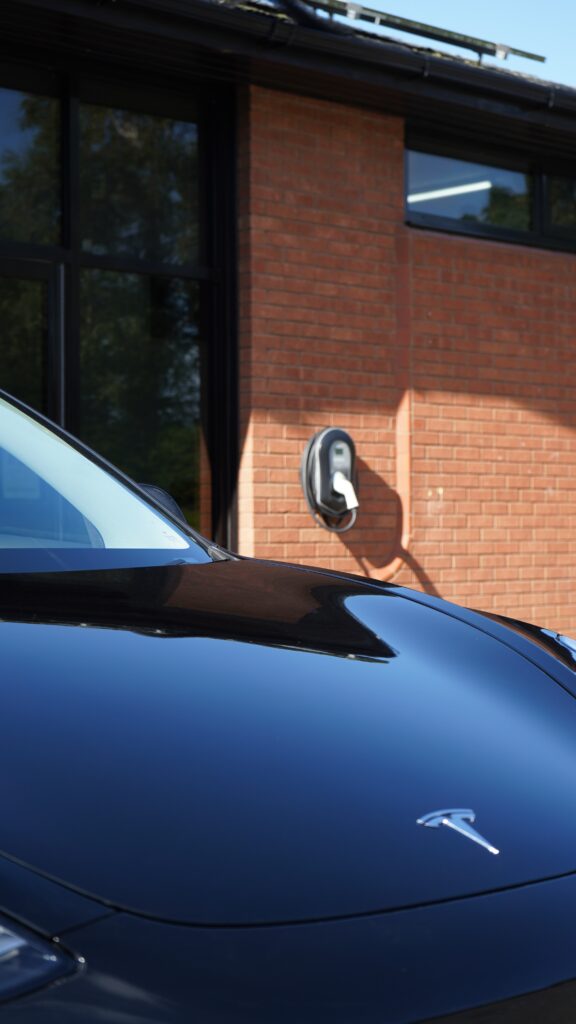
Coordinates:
(42, 905)
(394, 968)
(242, 743)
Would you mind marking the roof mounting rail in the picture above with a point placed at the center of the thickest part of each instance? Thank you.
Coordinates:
(356, 11)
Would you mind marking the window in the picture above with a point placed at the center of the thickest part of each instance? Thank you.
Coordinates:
(56, 499)
(114, 273)
(561, 205)
(513, 200)
(29, 168)
(469, 192)
(141, 350)
(138, 185)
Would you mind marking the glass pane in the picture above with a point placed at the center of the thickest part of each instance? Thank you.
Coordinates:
(562, 202)
(468, 192)
(33, 513)
(29, 168)
(140, 379)
(138, 185)
(23, 342)
(53, 496)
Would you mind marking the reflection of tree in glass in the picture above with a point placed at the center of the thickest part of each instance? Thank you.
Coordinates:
(140, 390)
(504, 209)
(563, 202)
(507, 209)
(29, 173)
(23, 318)
(140, 354)
(138, 185)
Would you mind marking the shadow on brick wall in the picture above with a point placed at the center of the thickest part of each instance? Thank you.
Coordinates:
(376, 542)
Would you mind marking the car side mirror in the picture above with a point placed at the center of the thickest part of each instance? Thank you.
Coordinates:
(162, 497)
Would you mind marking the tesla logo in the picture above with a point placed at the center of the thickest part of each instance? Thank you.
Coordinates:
(460, 820)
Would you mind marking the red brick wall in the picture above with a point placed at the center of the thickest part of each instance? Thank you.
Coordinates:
(494, 442)
(350, 318)
(321, 192)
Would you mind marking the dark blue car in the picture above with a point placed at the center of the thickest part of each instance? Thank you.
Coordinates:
(236, 791)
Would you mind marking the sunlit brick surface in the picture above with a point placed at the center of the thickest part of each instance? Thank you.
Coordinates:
(494, 442)
(343, 311)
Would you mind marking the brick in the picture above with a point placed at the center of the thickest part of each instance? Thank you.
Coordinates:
(342, 307)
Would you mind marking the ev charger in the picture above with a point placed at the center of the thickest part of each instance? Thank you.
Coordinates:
(328, 475)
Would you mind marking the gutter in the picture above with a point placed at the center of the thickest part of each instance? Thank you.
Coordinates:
(349, 44)
(234, 32)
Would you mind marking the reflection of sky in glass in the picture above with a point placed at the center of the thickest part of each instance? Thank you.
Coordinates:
(427, 173)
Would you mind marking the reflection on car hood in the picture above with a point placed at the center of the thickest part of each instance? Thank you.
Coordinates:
(238, 742)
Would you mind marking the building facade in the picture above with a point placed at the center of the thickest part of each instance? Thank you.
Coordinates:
(222, 230)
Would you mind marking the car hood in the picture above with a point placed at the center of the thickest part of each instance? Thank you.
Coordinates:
(244, 743)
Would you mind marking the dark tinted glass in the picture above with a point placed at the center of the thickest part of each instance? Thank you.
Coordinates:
(468, 192)
(29, 168)
(562, 202)
(23, 315)
(138, 185)
(140, 379)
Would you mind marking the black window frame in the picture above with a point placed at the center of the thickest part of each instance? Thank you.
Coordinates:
(213, 109)
(542, 234)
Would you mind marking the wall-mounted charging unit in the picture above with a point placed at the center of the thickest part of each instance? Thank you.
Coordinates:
(328, 475)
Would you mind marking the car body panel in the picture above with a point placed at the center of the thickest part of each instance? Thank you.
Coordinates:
(216, 774)
(277, 776)
(41, 904)
(467, 958)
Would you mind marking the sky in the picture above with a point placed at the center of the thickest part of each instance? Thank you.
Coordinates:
(548, 30)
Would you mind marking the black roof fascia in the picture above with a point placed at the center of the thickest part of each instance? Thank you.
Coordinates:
(204, 38)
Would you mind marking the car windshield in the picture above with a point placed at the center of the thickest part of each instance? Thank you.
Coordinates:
(61, 509)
